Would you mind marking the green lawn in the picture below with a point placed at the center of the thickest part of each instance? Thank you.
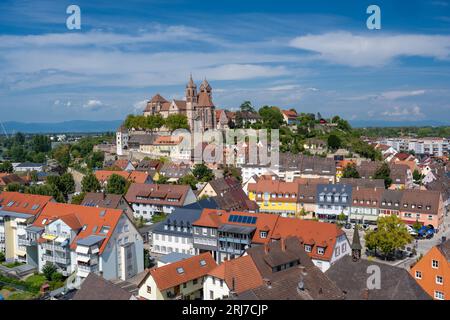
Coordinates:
(12, 264)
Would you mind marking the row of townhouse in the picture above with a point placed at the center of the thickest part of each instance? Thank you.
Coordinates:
(291, 166)
(227, 235)
(150, 199)
(432, 146)
(278, 270)
(76, 239)
(328, 201)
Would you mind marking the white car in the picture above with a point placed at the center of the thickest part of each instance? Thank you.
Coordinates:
(411, 230)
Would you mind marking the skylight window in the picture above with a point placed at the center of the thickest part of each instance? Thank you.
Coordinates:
(180, 270)
(102, 213)
(34, 207)
(202, 263)
(10, 203)
(44, 221)
(104, 230)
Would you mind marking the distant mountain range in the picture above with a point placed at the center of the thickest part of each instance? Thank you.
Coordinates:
(75, 126)
(382, 123)
(85, 126)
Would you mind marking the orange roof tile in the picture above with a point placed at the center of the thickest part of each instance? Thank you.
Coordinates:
(77, 217)
(320, 233)
(23, 203)
(241, 273)
(167, 276)
(103, 175)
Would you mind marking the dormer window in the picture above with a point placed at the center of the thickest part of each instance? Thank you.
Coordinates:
(308, 248)
(320, 250)
(263, 234)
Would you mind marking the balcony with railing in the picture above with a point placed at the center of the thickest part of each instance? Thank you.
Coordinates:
(65, 260)
(24, 241)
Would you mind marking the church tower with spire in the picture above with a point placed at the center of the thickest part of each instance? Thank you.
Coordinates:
(191, 101)
(356, 245)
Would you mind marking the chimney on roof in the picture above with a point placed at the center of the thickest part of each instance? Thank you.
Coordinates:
(283, 244)
(268, 283)
(365, 294)
(233, 284)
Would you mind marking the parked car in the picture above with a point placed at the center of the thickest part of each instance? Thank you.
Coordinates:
(348, 226)
(411, 230)
(426, 232)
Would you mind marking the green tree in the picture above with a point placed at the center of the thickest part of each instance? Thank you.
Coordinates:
(41, 143)
(66, 184)
(6, 167)
(334, 142)
(162, 179)
(350, 171)
(202, 173)
(34, 176)
(89, 183)
(384, 172)
(176, 121)
(271, 117)
(95, 159)
(154, 122)
(391, 235)
(2, 257)
(189, 180)
(48, 270)
(116, 184)
(78, 199)
(17, 153)
(417, 176)
(62, 154)
(15, 187)
(247, 106)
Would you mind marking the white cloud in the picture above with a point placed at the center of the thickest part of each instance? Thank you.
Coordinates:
(93, 105)
(393, 95)
(358, 51)
(398, 111)
(243, 71)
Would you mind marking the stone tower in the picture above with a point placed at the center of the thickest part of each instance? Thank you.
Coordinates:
(191, 101)
(356, 245)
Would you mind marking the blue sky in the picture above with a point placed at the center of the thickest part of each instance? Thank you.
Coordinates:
(308, 55)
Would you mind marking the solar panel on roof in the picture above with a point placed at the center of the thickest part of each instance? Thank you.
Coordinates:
(239, 219)
(244, 219)
(253, 221)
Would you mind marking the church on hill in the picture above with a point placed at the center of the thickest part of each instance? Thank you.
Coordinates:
(198, 106)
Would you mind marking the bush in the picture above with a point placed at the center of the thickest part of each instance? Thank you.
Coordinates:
(57, 277)
(2, 257)
(48, 270)
(35, 282)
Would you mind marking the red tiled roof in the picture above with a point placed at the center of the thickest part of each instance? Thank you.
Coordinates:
(77, 217)
(166, 191)
(23, 203)
(240, 273)
(320, 233)
(103, 175)
(167, 276)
